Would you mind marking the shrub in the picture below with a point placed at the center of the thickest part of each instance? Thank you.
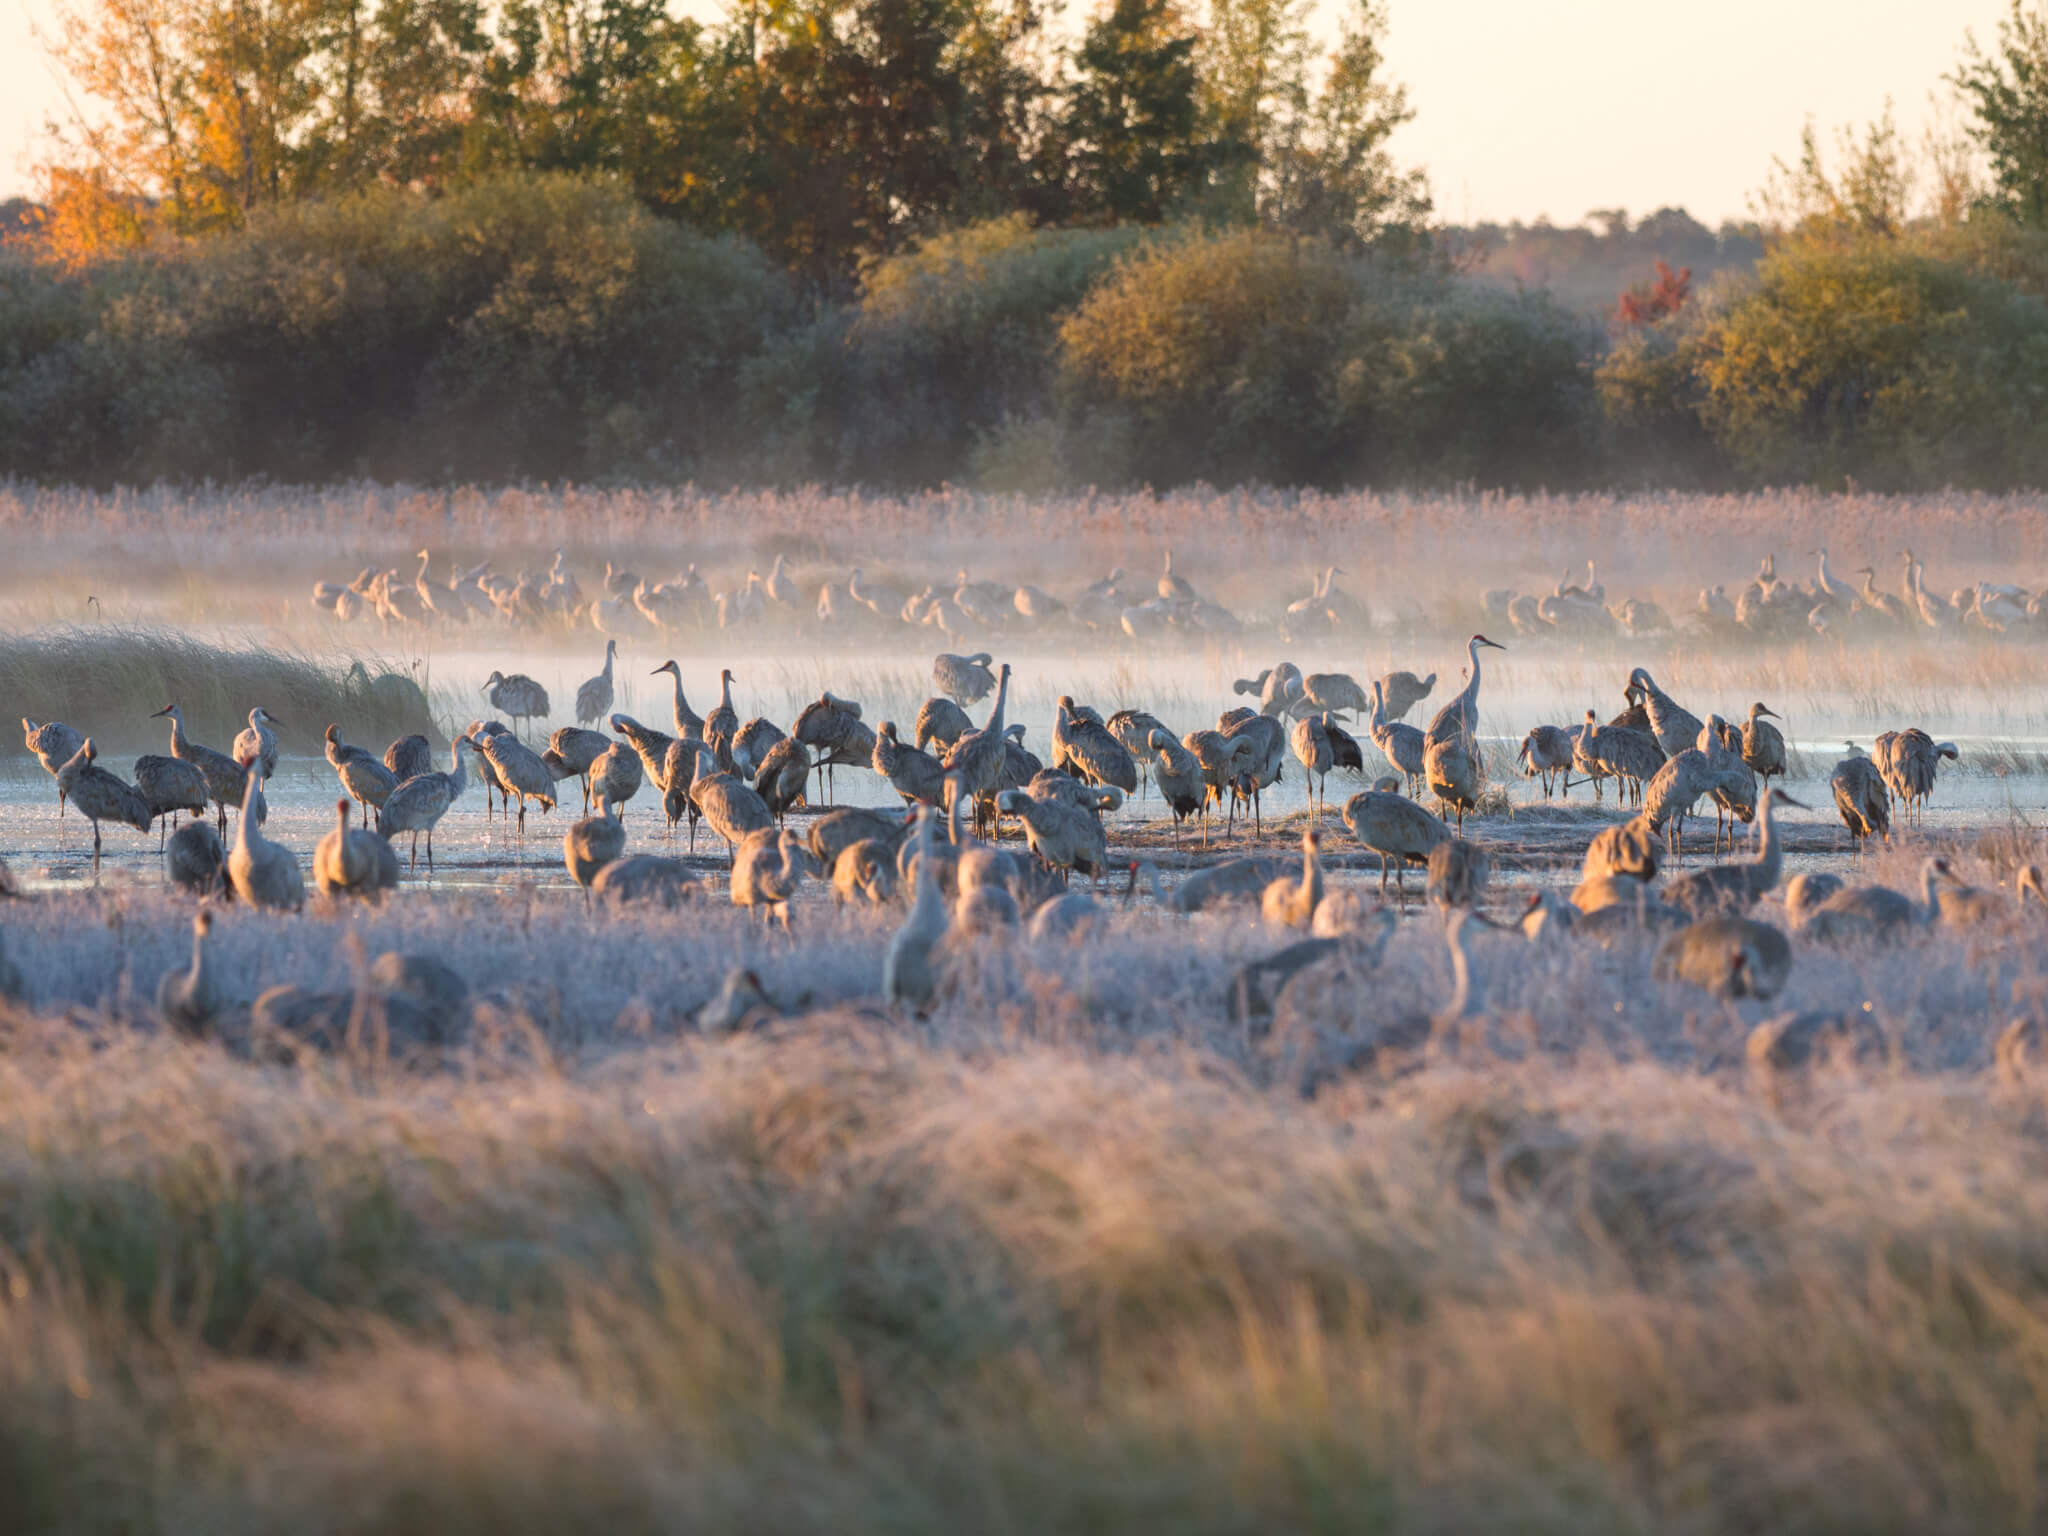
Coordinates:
(524, 326)
(948, 341)
(1870, 358)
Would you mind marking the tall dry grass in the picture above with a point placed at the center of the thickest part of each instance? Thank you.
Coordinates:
(846, 1281)
(109, 679)
(1069, 1254)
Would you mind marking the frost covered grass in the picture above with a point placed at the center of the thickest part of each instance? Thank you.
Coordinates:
(1067, 1255)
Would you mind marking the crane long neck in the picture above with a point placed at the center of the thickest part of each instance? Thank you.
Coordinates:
(246, 835)
(995, 720)
(929, 909)
(1311, 875)
(1468, 990)
(1770, 858)
(458, 777)
(1930, 905)
(178, 741)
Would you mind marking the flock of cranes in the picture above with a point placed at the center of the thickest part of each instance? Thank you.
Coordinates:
(625, 604)
(960, 785)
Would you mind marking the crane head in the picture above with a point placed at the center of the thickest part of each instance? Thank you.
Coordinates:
(1482, 640)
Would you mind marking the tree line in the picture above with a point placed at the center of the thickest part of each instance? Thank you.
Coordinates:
(823, 131)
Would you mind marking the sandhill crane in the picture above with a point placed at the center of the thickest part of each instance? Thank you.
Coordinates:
(262, 873)
(1133, 730)
(941, 721)
(644, 880)
(520, 771)
(752, 743)
(1677, 786)
(914, 775)
(169, 786)
(1630, 757)
(1547, 751)
(1728, 956)
(652, 747)
(1675, 728)
(1458, 872)
(1262, 769)
(100, 796)
(1861, 797)
(517, 697)
(1632, 851)
(985, 911)
(367, 781)
(908, 978)
(1763, 745)
(688, 722)
(194, 859)
(864, 871)
(420, 802)
(1402, 745)
(1806, 894)
(571, 751)
(258, 743)
(1828, 587)
(188, 997)
(1451, 769)
(54, 744)
(590, 844)
(1310, 740)
(779, 587)
(723, 723)
(836, 831)
(594, 696)
(616, 776)
(349, 862)
(767, 870)
(1969, 906)
(728, 803)
(1910, 771)
(1549, 917)
(1395, 828)
(783, 774)
(1063, 836)
(1179, 776)
(1876, 911)
(224, 776)
(1402, 691)
(963, 679)
(1459, 719)
(1172, 588)
(1289, 903)
(1330, 693)
(977, 757)
(1277, 688)
(1736, 887)
(496, 792)
(832, 728)
(1224, 761)
(1087, 749)
(409, 757)
(1735, 787)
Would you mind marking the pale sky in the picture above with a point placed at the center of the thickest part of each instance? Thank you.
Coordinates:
(1526, 108)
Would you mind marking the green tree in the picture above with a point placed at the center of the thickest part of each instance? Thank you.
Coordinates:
(1327, 169)
(1132, 119)
(2007, 91)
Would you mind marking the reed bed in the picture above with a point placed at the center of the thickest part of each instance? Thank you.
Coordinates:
(108, 679)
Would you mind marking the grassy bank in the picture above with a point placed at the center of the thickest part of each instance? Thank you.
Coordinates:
(842, 1281)
(107, 680)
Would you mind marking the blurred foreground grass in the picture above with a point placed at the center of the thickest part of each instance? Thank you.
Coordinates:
(837, 1280)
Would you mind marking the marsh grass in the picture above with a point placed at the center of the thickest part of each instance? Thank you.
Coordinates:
(1068, 1254)
(109, 679)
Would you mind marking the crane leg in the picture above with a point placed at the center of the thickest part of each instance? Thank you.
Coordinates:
(414, 866)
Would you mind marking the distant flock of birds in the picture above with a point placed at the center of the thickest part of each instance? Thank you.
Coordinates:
(625, 604)
(960, 783)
